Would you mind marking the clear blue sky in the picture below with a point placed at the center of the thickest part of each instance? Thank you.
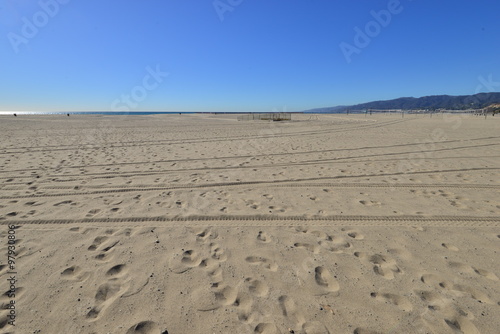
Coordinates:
(250, 55)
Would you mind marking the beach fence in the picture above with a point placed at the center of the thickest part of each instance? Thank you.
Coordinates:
(271, 116)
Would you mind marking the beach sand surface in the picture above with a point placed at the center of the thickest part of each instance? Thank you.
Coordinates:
(173, 224)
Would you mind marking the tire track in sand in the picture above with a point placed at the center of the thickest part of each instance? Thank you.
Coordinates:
(269, 220)
(276, 183)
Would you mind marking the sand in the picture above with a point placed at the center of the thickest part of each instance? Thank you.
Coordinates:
(205, 224)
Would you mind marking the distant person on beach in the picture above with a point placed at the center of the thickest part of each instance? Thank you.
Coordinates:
(15, 115)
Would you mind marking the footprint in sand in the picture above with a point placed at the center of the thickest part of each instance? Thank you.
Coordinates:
(325, 282)
(216, 274)
(473, 293)
(243, 302)
(63, 203)
(461, 267)
(394, 299)
(266, 328)
(263, 237)
(461, 324)
(247, 317)
(209, 264)
(3, 267)
(106, 294)
(289, 309)
(105, 255)
(126, 232)
(217, 253)
(256, 287)
(205, 234)
(370, 203)
(300, 229)
(457, 204)
(92, 213)
(465, 268)
(74, 273)
(355, 235)
(107, 291)
(6, 297)
(436, 281)
(212, 297)
(97, 242)
(110, 246)
(335, 244)
(263, 262)
(252, 204)
(383, 265)
(88, 230)
(486, 273)
(4, 320)
(182, 262)
(116, 271)
(450, 247)
(309, 247)
(440, 283)
(145, 327)
(434, 300)
(320, 235)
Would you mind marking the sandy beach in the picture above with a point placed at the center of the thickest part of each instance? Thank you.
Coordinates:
(175, 224)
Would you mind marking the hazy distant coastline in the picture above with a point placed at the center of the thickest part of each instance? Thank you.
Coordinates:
(464, 103)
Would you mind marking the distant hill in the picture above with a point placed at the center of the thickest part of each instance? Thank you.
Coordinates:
(448, 102)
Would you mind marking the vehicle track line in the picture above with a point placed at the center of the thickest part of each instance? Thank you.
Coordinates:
(149, 187)
(275, 183)
(248, 156)
(264, 220)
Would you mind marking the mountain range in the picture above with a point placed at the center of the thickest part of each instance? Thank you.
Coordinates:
(434, 102)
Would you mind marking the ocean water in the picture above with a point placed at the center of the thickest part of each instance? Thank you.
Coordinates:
(122, 113)
(112, 113)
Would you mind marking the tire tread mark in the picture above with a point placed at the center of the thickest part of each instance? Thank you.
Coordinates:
(148, 187)
(406, 220)
(276, 183)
